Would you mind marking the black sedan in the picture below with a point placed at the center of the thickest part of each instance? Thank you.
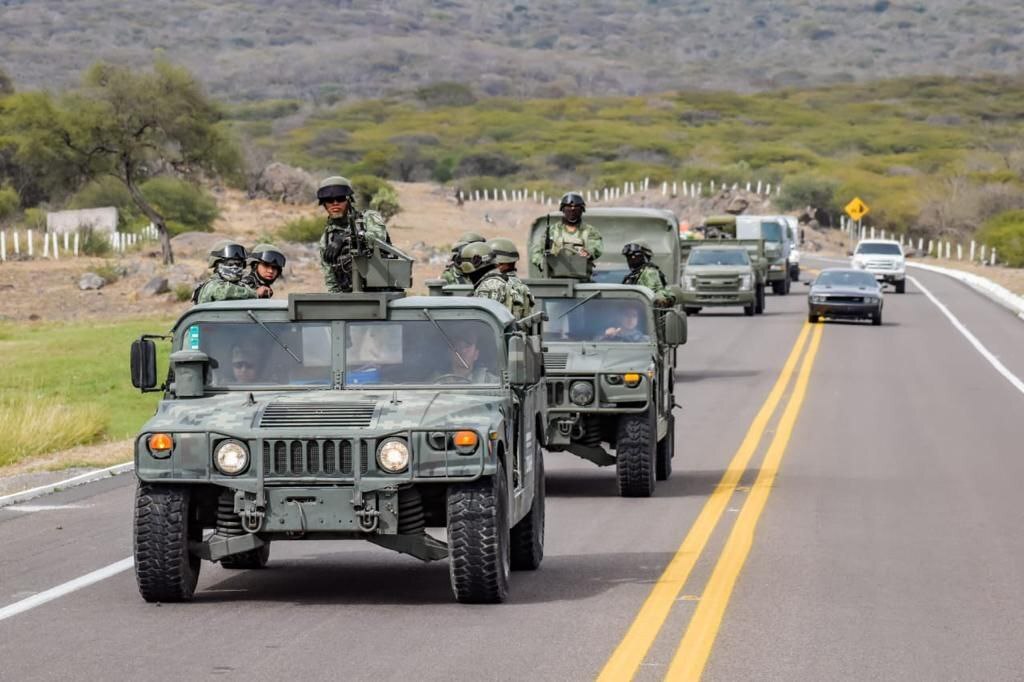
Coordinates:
(846, 294)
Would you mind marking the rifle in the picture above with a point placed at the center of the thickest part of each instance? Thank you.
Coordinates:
(547, 245)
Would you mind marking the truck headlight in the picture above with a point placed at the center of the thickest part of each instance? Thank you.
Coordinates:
(690, 282)
(744, 282)
(581, 392)
(775, 266)
(231, 457)
(393, 455)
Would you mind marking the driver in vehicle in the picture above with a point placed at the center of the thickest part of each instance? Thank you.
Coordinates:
(245, 364)
(628, 329)
(464, 356)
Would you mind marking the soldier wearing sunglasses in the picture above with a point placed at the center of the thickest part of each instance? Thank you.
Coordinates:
(346, 226)
(266, 263)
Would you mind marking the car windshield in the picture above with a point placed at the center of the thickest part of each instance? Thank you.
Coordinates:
(598, 319)
(718, 257)
(245, 354)
(420, 352)
(879, 249)
(846, 278)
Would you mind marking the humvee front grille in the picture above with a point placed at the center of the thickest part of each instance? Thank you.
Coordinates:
(556, 361)
(311, 457)
(313, 415)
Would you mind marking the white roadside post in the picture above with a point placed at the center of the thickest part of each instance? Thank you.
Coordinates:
(76, 245)
(712, 186)
(748, 186)
(66, 235)
(972, 250)
(949, 248)
(56, 254)
(920, 243)
(993, 262)
(758, 187)
(983, 254)
(3, 246)
(959, 251)
(675, 189)
(664, 189)
(699, 187)
(31, 247)
(17, 244)
(768, 190)
(647, 183)
(504, 195)
(46, 245)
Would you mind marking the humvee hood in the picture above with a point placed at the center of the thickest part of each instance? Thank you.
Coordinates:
(591, 358)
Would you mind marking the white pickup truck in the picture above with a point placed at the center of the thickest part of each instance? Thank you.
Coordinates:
(884, 259)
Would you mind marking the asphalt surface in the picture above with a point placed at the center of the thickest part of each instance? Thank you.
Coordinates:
(888, 547)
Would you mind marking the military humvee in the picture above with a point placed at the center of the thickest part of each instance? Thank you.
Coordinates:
(342, 416)
(609, 364)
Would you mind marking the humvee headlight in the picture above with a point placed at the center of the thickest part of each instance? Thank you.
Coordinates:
(581, 392)
(393, 455)
(632, 379)
(231, 457)
(160, 444)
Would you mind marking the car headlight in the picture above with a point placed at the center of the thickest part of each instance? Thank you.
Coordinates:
(818, 299)
(775, 266)
(393, 455)
(744, 282)
(581, 392)
(231, 457)
(870, 299)
(858, 263)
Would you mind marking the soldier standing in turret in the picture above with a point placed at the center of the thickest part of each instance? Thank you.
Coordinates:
(643, 272)
(452, 274)
(506, 255)
(266, 263)
(346, 225)
(478, 263)
(571, 235)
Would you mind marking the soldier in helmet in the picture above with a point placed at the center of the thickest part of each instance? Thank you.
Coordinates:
(345, 225)
(266, 263)
(506, 255)
(479, 265)
(645, 273)
(452, 274)
(571, 235)
(227, 258)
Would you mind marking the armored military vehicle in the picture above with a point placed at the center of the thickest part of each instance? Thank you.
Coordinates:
(778, 238)
(368, 416)
(719, 274)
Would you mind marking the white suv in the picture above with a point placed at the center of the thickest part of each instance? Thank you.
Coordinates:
(884, 259)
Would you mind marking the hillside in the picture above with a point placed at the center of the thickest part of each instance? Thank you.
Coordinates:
(330, 50)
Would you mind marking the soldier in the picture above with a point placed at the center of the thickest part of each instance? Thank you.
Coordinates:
(479, 265)
(345, 225)
(266, 264)
(506, 255)
(452, 274)
(571, 235)
(644, 273)
(228, 262)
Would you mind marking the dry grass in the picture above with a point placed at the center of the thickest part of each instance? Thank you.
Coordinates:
(38, 425)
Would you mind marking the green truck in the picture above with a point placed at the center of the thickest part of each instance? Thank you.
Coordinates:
(370, 416)
(719, 273)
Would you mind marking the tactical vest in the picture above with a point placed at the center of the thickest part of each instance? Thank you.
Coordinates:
(634, 275)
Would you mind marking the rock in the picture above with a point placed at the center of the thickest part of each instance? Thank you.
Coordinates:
(181, 274)
(284, 183)
(155, 287)
(91, 280)
(195, 244)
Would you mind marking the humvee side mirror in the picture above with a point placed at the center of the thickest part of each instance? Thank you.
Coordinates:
(673, 327)
(517, 374)
(190, 368)
(143, 364)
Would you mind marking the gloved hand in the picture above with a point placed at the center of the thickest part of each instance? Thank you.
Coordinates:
(335, 247)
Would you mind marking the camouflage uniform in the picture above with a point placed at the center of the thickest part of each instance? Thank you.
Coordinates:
(452, 275)
(583, 238)
(524, 294)
(651, 276)
(338, 277)
(217, 289)
(496, 286)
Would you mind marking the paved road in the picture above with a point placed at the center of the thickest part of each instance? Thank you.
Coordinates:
(871, 534)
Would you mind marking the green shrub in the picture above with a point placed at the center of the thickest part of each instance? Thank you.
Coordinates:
(185, 206)
(9, 202)
(809, 190)
(369, 186)
(446, 94)
(182, 292)
(108, 191)
(1005, 234)
(302, 230)
(110, 272)
(93, 243)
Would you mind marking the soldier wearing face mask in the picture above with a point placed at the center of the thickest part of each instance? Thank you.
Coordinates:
(227, 258)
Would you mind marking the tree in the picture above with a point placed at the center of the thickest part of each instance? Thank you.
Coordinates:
(135, 125)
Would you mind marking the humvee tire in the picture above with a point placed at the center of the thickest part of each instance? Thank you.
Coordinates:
(165, 570)
(527, 536)
(478, 539)
(251, 560)
(635, 455)
(666, 448)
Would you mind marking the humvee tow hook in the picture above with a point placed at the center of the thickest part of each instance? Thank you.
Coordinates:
(251, 513)
(369, 519)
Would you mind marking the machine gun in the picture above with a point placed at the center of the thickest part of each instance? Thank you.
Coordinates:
(365, 263)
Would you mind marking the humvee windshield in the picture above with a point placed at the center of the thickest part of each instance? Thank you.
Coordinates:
(598, 319)
(420, 352)
(244, 354)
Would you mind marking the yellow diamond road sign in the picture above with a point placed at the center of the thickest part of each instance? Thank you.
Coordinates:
(856, 209)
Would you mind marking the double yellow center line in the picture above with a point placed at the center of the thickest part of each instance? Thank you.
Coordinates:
(695, 646)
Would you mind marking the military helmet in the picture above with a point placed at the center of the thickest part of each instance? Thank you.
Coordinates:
(226, 249)
(505, 250)
(572, 199)
(475, 256)
(471, 238)
(334, 187)
(638, 247)
(269, 254)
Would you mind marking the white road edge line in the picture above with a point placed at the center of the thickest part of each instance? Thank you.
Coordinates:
(81, 479)
(67, 588)
(985, 353)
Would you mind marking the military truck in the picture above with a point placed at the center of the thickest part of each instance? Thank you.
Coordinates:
(719, 273)
(369, 416)
(720, 230)
(618, 227)
(777, 236)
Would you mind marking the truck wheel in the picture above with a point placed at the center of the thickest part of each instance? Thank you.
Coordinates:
(748, 310)
(876, 318)
(251, 560)
(635, 454)
(777, 287)
(527, 536)
(812, 318)
(165, 570)
(901, 286)
(794, 273)
(478, 539)
(666, 450)
(759, 300)
(785, 286)
(690, 310)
